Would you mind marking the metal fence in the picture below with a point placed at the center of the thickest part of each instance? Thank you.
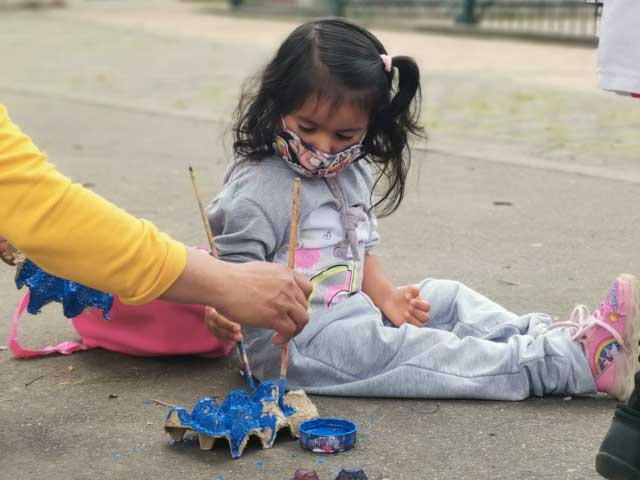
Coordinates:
(563, 20)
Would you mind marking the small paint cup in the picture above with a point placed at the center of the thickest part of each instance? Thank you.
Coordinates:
(328, 435)
(351, 474)
(305, 474)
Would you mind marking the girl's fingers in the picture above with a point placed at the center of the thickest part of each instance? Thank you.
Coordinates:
(420, 304)
(411, 292)
(225, 335)
(222, 322)
(222, 327)
(231, 337)
(416, 321)
(421, 315)
(416, 316)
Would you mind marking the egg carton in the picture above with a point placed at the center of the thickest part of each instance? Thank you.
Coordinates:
(241, 416)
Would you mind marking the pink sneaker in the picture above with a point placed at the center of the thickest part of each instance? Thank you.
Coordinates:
(609, 336)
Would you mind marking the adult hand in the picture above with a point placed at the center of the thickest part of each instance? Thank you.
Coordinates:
(405, 305)
(266, 295)
(256, 294)
(6, 255)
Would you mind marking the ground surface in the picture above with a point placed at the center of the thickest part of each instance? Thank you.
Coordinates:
(124, 95)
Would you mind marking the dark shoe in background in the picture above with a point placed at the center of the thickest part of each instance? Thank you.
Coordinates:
(619, 456)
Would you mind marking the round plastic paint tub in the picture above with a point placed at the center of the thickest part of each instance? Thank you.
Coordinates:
(328, 435)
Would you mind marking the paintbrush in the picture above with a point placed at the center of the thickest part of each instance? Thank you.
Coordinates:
(242, 353)
(293, 235)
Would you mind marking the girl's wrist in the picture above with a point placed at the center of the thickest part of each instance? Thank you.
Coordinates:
(384, 299)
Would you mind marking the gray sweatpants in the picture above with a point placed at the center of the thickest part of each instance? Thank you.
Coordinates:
(471, 348)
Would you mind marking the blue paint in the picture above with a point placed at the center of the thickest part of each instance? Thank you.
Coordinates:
(328, 435)
(281, 389)
(246, 368)
(259, 464)
(235, 417)
(328, 427)
(47, 288)
(319, 461)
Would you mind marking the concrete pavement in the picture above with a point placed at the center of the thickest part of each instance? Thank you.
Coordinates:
(124, 95)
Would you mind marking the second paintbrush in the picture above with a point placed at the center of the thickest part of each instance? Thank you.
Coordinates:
(244, 359)
(293, 238)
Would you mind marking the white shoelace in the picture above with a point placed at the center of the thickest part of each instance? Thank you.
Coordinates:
(581, 320)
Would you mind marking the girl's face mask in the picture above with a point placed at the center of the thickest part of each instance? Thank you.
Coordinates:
(310, 161)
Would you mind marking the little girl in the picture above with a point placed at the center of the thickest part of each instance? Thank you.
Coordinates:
(331, 103)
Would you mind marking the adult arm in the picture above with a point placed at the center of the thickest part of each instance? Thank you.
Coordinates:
(73, 233)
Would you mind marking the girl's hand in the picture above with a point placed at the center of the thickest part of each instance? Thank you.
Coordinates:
(221, 327)
(404, 305)
(229, 331)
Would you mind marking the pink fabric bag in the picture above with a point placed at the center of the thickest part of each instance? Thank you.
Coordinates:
(157, 328)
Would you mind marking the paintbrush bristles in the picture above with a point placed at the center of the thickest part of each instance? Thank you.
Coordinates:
(205, 221)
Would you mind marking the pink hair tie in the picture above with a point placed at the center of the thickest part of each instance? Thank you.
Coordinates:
(387, 60)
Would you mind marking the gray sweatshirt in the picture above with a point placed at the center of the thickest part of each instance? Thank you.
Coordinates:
(251, 217)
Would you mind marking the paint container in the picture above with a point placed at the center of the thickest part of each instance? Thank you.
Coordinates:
(351, 474)
(305, 474)
(328, 435)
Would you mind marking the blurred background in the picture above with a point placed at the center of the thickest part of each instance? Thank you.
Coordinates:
(525, 189)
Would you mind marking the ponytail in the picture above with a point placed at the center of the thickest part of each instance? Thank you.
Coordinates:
(390, 128)
(403, 105)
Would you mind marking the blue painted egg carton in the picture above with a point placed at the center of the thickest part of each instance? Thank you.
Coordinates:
(240, 416)
(46, 288)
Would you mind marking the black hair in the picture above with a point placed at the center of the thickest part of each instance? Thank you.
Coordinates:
(339, 60)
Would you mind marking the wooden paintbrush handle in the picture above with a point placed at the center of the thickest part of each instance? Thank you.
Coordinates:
(293, 239)
(293, 232)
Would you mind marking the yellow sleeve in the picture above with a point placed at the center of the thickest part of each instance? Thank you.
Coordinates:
(73, 233)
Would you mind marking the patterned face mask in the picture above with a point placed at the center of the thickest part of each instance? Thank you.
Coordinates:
(293, 149)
